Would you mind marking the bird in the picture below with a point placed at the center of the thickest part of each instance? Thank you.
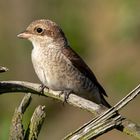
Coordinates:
(58, 66)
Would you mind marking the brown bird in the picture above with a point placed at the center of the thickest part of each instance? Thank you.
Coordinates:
(58, 66)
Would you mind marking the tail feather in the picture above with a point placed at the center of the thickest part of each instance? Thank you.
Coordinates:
(104, 102)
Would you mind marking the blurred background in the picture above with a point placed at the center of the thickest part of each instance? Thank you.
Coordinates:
(105, 33)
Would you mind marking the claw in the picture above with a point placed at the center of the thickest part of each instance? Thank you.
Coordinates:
(66, 95)
(42, 88)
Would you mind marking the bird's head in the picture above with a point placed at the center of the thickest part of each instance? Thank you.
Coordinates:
(43, 31)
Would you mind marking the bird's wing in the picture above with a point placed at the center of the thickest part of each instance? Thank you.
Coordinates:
(77, 61)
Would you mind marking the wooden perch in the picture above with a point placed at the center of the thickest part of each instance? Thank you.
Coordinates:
(127, 126)
(20, 86)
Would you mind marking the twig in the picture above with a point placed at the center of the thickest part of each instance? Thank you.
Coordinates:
(3, 69)
(97, 129)
(17, 130)
(18, 86)
(35, 123)
(89, 127)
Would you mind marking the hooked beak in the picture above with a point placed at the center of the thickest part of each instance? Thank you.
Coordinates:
(24, 35)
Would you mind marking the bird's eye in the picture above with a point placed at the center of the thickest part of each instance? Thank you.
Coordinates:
(39, 30)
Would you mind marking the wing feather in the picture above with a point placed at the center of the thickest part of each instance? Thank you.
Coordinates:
(82, 67)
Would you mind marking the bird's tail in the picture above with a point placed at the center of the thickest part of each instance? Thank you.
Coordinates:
(104, 102)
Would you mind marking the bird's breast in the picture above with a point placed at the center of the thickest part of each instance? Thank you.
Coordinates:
(52, 68)
(57, 72)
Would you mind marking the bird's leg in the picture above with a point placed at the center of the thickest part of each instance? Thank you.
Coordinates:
(66, 95)
(42, 87)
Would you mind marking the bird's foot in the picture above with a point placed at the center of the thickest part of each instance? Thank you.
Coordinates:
(42, 87)
(66, 95)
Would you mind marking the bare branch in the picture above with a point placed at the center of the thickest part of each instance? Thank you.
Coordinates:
(36, 123)
(18, 86)
(93, 131)
(3, 69)
(88, 129)
(17, 130)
